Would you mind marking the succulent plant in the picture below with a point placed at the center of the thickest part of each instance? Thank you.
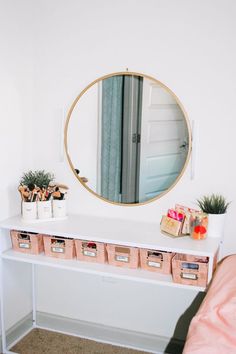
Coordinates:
(213, 204)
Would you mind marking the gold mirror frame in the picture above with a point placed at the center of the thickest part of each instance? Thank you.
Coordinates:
(66, 137)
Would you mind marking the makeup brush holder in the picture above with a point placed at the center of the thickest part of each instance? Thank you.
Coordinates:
(59, 208)
(44, 209)
(29, 210)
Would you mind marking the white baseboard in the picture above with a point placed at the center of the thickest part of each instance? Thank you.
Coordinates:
(94, 331)
(18, 331)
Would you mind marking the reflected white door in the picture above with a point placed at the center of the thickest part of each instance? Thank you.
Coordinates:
(163, 133)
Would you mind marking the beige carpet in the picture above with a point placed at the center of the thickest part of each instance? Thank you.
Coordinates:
(39, 341)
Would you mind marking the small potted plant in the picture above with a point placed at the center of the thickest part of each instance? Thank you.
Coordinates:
(216, 206)
(34, 189)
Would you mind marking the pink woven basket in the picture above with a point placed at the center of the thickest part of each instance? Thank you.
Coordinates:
(123, 256)
(90, 251)
(27, 242)
(59, 247)
(156, 261)
(190, 270)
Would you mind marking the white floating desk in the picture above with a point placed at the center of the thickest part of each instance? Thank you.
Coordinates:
(107, 230)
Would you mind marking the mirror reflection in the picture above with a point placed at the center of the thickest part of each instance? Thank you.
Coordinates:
(127, 138)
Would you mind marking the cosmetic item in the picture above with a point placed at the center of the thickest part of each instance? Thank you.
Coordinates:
(89, 245)
(48, 194)
(21, 190)
(63, 190)
(59, 192)
(171, 226)
(31, 187)
(25, 193)
(185, 208)
(198, 225)
(34, 194)
(89, 249)
(62, 187)
(187, 212)
(34, 197)
(172, 213)
(42, 193)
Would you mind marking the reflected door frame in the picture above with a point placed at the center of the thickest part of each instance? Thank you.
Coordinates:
(132, 109)
(131, 131)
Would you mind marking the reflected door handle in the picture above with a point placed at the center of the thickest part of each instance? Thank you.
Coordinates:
(136, 138)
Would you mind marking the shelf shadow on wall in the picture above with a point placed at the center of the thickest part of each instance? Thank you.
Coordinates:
(175, 345)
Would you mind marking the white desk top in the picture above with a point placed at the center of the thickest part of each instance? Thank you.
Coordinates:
(117, 231)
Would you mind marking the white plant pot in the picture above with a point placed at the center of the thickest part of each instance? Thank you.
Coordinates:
(29, 210)
(59, 208)
(45, 209)
(216, 223)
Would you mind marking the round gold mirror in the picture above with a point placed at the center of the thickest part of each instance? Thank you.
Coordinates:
(127, 138)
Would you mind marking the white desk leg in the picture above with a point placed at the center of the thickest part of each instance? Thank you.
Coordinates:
(220, 252)
(210, 268)
(33, 296)
(4, 341)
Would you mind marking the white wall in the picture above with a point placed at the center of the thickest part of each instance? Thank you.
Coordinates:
(188, 45)
(16, 100)
(16, 67)
(84, 122)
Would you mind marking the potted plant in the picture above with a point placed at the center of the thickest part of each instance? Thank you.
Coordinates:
(34, 189)
(216, 206)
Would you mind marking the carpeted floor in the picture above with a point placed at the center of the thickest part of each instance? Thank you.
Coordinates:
(39, 341)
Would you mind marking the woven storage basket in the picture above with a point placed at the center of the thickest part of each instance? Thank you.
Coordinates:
(123, 256)
(156, 261)
(90, 251)
(190, 270)
(27, 242)
(59, 247)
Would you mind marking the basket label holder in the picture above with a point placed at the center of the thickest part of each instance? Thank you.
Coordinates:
(120, 258)
(154, 264)
(55, 249)
(189, 276)
(24, 245)
(89, 253)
